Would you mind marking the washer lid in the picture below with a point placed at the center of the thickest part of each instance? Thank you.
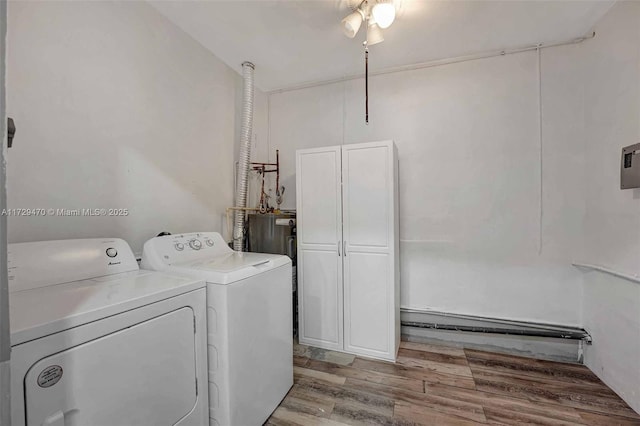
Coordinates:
(230, 267)
(42, 311)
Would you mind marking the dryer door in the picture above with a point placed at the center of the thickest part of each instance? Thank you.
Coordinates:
(141, 375)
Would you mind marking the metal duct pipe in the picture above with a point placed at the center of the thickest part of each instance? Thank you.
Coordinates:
(245, 155)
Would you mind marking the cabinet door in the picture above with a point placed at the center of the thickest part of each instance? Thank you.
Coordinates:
(319, 215)
(368, 228)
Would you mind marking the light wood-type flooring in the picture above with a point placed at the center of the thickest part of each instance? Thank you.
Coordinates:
(440, 385)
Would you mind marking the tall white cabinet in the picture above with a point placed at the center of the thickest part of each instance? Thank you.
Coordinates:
(348, 271)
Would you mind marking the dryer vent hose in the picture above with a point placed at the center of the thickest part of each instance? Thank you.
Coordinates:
(245, 155)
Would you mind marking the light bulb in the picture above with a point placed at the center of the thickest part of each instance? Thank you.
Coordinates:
(351, 24)
(374, 34)
(384, 12)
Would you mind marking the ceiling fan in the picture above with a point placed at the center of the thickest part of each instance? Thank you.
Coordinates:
(377, 15)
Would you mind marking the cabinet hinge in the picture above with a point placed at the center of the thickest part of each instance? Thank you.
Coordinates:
(196, 386)
(194, 325)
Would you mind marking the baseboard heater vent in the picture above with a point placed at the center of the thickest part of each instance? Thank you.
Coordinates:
(468, 323)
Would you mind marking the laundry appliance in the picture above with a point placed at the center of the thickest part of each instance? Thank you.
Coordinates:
(96, 341)
(248, 319)
(276, 233)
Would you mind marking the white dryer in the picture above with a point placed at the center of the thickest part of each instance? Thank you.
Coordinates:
(249, 322)
(96, 341)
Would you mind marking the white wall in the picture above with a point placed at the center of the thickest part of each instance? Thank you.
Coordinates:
(116, 108)
(612, 118)
(5, 344)
(612, 221)
(612, 317)
(467, 136)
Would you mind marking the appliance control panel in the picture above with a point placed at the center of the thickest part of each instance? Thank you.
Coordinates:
(168, 249)
(196, 241)
(43, 263)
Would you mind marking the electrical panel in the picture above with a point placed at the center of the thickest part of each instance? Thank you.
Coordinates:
(630, 167)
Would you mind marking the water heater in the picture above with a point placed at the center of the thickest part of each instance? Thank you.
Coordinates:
(273, 233)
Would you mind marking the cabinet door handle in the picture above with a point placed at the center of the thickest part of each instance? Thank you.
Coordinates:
(344, 248)
(338, 248)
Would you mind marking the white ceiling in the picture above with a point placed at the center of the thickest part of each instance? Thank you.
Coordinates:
(294, 42)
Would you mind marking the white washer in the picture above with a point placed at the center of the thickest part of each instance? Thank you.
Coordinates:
(249, 322)
(96, 341)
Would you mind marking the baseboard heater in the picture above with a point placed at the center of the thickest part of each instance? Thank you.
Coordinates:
(475, 324)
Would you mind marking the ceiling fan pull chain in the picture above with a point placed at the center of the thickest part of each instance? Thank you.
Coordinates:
(366, 85)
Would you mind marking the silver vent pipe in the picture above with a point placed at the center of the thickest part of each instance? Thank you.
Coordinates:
(245, 156)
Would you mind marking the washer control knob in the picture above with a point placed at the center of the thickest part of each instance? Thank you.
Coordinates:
(111, 252)
(209, 242)
(179, 246)
(195, 244)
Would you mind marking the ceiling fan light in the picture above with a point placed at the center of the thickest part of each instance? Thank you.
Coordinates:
(351, 24)
(384, 12)
(374, 34)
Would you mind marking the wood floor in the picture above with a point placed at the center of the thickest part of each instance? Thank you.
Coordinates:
(438, 385)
